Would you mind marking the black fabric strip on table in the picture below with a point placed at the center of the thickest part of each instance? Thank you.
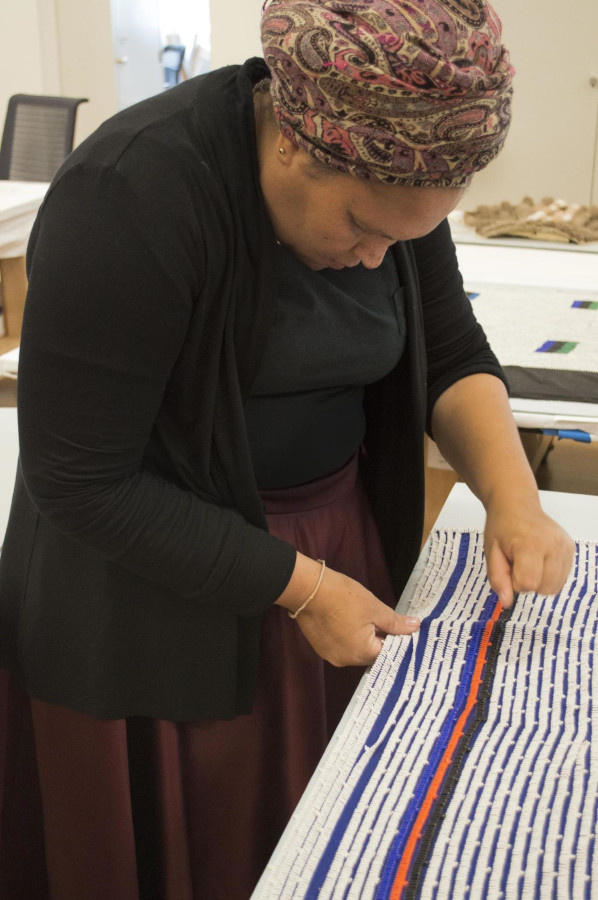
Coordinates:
(552, 384)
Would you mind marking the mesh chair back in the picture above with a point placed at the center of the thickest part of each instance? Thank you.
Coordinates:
(38, 135)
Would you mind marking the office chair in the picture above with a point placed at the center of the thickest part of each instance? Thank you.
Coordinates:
(38, 135)
(172, 61)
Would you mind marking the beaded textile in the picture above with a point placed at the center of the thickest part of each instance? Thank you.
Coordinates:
(466, 765)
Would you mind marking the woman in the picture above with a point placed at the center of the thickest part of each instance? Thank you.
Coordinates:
(244, 308)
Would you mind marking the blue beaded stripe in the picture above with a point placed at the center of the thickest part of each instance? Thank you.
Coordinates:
(389, 705)
(592, 847)
(532, 736)
(390, 811)
(398, 845)
(567, 801)
(328, 854)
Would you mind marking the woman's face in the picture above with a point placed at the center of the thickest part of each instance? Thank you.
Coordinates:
(333, 220)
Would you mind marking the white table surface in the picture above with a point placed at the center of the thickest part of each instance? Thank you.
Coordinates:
(560, 414)
(521, 261)
(19, 203)
(577, 513)
(538, 264)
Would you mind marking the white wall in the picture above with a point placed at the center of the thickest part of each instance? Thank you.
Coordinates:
(551, 145)
(86, 60)
(49, 55)
(26, 61)
(235, 31)
(59, 47)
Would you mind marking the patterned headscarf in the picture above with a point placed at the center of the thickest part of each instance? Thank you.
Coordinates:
(416, 93)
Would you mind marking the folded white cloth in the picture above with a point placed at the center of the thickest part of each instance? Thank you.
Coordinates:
(9, 364)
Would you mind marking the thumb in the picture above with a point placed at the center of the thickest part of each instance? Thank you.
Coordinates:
(390, 622)
(499, 575)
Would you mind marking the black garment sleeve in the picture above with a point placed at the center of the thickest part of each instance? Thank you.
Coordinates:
(113, 278)
(456, 345)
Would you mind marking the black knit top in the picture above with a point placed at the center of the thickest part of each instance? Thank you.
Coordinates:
(331, 333)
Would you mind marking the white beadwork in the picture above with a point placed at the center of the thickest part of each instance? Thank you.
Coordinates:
(520, 821)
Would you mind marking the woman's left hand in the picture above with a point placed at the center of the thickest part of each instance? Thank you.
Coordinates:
(526, 550)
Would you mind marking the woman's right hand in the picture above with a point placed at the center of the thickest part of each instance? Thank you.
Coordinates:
(344, 623)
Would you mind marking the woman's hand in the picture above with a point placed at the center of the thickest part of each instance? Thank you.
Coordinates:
(525, 550)
(344, 623)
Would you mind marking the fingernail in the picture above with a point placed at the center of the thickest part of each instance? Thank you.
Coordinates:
(412, 621)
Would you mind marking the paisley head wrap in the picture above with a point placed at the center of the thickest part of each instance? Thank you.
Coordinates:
(415, 93)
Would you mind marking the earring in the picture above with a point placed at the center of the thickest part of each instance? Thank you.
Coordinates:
(281, 151)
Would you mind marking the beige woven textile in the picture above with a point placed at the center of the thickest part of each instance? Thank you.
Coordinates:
(549, 220)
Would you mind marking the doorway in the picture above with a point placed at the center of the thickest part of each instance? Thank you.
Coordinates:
(140, 31)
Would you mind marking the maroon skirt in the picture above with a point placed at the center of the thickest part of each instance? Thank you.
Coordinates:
(140, 808)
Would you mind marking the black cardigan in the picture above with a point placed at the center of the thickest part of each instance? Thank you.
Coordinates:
(137, 561)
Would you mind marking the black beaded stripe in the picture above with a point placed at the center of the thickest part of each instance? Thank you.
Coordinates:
(480, 715)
